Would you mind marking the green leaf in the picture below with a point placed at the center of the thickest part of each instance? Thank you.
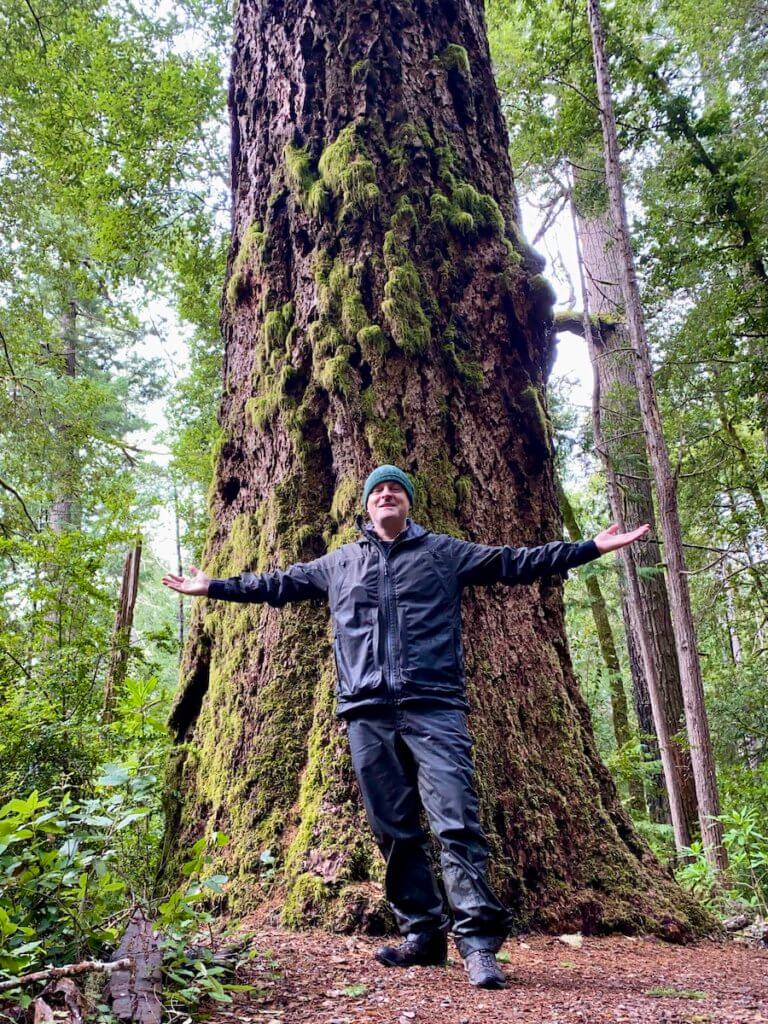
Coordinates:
(355, 990)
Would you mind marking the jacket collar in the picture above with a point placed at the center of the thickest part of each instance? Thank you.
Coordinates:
(412, 531)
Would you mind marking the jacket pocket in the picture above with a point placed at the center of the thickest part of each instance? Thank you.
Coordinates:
(342, 683)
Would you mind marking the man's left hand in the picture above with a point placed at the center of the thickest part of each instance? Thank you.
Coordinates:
(612, 540)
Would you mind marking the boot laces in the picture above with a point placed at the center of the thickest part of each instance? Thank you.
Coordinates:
(484, 960)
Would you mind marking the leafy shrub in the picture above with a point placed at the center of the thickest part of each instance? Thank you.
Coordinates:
(746, 843)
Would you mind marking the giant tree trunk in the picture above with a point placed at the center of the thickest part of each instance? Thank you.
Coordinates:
(702, 758)
(622, 433)
(381, 305)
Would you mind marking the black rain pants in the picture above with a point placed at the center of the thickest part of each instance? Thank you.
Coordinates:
(406, 758)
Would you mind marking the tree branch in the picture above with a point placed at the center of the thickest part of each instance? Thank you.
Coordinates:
(50, 973)
(572, 320)
(39, 25)
(15, 493)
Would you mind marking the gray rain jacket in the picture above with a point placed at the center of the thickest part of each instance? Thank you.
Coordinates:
(397, 613)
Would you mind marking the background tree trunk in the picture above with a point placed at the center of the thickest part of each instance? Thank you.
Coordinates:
(639, 627)
(622, 730)
(624, 440)
(382, 305)
(702, 758)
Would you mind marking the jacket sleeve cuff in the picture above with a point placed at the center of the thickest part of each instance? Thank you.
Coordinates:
(586, 552)
(218, 590)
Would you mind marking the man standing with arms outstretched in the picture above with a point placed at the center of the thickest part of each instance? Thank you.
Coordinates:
(395, 602)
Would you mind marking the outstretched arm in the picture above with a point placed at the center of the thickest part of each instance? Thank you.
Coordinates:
(300, 582)
(484, 564)
(195, 585)
(612, 540)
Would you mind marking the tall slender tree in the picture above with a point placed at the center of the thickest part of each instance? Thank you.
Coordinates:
(381, 305)
(682, 619)
(624, 442)
(622, 729)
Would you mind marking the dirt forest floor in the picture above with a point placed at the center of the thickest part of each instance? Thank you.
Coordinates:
(317, 978)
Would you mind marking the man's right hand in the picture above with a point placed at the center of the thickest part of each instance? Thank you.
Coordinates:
(195, 585)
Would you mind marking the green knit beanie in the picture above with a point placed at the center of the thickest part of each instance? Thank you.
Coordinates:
(392, 473)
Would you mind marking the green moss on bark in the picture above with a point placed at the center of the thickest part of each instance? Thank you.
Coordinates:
(403, 311)
(335, 373)
(307, 901)
(251, 247)
(385, 436)
(435, 484)
(373, 344)
(466, 212)
(543, 295)
(306, 186)
(533, 407)
(349, 173)
(455, 58)
(345, 498)
(328, 849)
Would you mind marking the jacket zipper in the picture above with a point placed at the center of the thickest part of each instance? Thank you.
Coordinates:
(391, 615)
(390, 612)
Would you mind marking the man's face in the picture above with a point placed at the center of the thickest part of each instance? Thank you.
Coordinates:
(388, 504)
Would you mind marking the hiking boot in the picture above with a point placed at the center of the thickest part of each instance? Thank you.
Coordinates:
(483, 971)
(429, 949)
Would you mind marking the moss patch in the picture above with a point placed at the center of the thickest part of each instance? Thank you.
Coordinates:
(306, 186)
(465, 212)
(403, 310)
(343, 318)
(273, 371)
(373, 343)
(385, 437)
(251, 247)
(345, 498)
(455, 58)
(348, 172)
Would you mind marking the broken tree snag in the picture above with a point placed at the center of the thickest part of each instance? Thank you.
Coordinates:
(121, 633)
(43, 1012)
(135, 993)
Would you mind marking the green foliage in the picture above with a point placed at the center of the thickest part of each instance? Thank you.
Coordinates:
(60, 863)
(688, 98)
(72, 859)
(746, 842)
(194, 971)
